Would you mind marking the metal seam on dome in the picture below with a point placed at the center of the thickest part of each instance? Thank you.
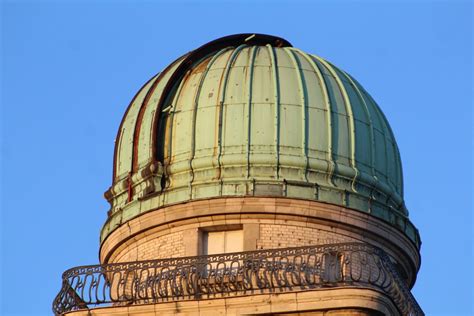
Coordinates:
(350, 115)
(138, 123)
(253, 54)
(382, 123)
(304, 106)
(195, 109)
(392, 139)
(222, 100)
(134, 162)
(377, 111)
(398, 199)
(276, 94)
(369, 118)
(395, 147)
(200, 52)
(120, 132)
(400, 171)
(170, 137)
(390, 194)
(194, 56)
(396, 154)
(119, 144)
(217, 135)
(324, 90)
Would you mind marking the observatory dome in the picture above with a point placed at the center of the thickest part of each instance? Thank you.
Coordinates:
(250, 115)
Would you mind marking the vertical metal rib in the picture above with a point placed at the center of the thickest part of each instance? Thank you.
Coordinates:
(118, 144)
(167, 158)
(276, 92)
(382, 123)
(304, 106)
(350, 115)
(253, 53)
(369, 119)
(390, 132)
(134, 166)
(399, 170)
(325, 93)
(195, 109)
(118, 138)
(221, 101)
(396, 152)
(138, 124)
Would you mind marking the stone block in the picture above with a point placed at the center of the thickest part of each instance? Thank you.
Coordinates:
(284, 302)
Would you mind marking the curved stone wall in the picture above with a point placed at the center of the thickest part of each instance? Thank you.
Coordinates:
(267, 223)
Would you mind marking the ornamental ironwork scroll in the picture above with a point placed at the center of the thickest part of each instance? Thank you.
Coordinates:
(234, 274)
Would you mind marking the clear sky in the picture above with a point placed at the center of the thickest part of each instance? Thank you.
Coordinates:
(70, 68)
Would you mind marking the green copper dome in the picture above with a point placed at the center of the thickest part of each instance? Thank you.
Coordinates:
(250, 115)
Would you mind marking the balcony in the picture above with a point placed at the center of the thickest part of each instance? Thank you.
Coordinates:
(348, 265)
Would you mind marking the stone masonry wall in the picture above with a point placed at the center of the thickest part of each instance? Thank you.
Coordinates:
(167, 246)
(267, 236)
(282, 236)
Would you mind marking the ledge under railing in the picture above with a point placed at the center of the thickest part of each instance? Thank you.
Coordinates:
(281, 270)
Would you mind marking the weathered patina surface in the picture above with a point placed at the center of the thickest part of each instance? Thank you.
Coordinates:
(253, 116)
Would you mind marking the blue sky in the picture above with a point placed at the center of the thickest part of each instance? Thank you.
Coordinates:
(69, 69)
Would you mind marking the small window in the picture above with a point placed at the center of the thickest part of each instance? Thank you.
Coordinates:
(223, 242)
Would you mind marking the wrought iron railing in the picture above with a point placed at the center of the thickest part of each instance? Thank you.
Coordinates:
(235, 274)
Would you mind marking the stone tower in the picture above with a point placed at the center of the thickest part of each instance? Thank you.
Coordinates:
(251, 177)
